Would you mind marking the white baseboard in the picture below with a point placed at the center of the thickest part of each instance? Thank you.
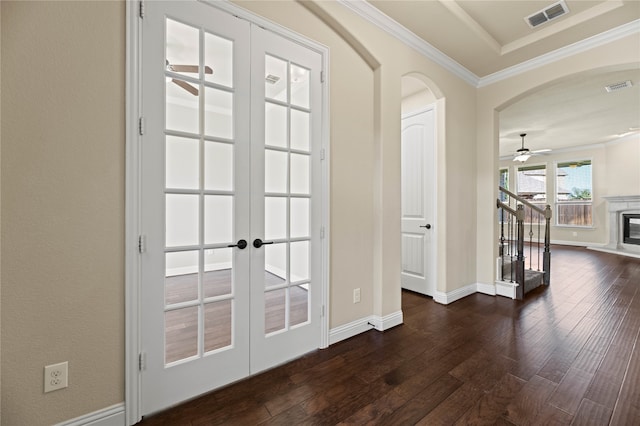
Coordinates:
(489, 289)
(452, 296)
(361, 325)
(571, 243)
(506, 289)
(110, 416)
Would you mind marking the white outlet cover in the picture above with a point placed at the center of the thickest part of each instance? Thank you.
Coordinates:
(56, 376)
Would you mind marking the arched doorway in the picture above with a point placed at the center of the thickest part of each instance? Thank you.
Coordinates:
(418, 189)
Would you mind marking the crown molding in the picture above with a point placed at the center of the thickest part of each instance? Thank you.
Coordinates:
(376, 17)
(384, 22)
(597, 40)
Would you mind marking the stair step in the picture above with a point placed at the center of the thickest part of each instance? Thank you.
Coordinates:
(532, 278)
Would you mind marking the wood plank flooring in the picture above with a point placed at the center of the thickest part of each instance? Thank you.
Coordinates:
(568, 354)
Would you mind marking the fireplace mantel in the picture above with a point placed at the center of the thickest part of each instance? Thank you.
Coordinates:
(618, 205)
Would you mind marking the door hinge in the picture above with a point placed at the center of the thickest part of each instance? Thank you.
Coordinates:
(142, 244)
(321, 76)
(141, 9)
(322, 232)
(322, 311)
(142, 362)
(322, 154)
(141, 126)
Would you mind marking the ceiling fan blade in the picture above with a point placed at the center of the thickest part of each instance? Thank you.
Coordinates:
(190, 68)
(186, 86)
(184, 68)
(539, 151)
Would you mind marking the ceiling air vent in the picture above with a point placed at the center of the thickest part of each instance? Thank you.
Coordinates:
(272, 79)
(618, 86)
(547, 14)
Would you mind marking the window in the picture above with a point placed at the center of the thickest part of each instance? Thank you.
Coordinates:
(573, 193)
(532, 186)
(504, 183)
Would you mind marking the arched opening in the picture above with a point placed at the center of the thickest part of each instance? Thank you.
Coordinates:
(419, 165)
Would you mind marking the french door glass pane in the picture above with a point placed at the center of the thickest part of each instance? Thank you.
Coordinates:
(182, 105)
(182, 55)
(181, 277)
(275, 260)
(299, 86)
(275, 218)
(218, 166)
(299, 130)
(218, 113)
(275, 165)
(299, 261)
(182, 163)
(275, 117)
(218, 60)
(182, 218)
(299, 174)
(299, 304)
(275, 310)
(217, 272)
(299, 215)
(217, 325)
(218, 219)
(181, 334)
(276, 86)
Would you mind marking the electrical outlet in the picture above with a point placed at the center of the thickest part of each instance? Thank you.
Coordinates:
(575, 234)
(356, 295)
(56, 376)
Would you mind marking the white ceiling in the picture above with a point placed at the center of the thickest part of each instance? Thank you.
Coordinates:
(488, 36)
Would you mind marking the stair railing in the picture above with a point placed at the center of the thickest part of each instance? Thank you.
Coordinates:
(514, 218)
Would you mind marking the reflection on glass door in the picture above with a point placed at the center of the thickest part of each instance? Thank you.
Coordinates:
(199, 193)
(287, 195)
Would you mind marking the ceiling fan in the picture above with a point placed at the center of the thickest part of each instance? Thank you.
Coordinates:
(523, 154)
(190, 69)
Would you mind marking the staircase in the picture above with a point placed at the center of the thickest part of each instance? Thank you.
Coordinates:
(524, 261)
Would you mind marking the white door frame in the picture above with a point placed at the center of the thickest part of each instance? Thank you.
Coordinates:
(133, 361)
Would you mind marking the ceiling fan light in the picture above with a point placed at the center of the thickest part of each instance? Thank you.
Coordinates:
(521, 157)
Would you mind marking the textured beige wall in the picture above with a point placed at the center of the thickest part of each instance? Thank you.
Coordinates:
(62, 207)
(623, 180)
(494, 97)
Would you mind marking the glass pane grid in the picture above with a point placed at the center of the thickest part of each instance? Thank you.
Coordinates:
(199, 192)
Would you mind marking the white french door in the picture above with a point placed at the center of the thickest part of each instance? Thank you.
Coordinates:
(230, 206)
(418, 201)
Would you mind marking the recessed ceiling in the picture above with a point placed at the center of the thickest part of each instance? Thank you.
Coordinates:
(487, 37)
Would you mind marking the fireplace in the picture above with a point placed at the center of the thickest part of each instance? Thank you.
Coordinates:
(624, 223)
(631, 229)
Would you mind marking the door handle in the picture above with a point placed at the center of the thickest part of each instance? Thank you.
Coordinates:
(241, 244)
(428, 226)
(257, 243)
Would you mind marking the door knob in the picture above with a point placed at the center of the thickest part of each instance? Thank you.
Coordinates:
(241, 244)
(257, 243)
(428, 226)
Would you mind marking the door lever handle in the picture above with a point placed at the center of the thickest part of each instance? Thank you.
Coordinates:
(257, 243)
(241, 244)
(428, 226)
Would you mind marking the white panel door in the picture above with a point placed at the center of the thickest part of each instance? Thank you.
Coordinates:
(418, 195)
(229, 158)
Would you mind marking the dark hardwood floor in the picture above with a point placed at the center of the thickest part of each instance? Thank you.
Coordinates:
(568, 354)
